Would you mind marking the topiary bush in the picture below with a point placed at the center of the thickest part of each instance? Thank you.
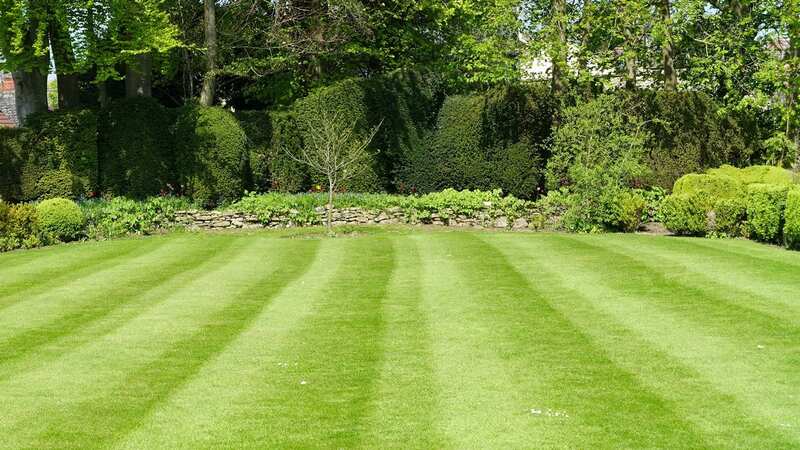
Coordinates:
(61, 219)
(212, 157)
(709, 187)
(280, 172)
(791, 228)
(755, 174)
(12, 142)
(729, 217)
(59, 156)
(765, 211)
(135, 144)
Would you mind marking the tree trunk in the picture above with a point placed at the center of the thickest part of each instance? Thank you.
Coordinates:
(139, 76)
(30, 93)
(69, 93)
(559, 51)
(630, 71)
(667, 49)
(209, 81)
(329, 220)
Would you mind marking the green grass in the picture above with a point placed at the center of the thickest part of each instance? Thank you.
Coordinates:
(398, 338)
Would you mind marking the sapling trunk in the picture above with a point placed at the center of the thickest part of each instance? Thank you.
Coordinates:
(330, 208)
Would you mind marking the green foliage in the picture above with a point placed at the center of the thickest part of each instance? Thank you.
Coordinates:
(61, 219)
(765, 208)
(274, 169)
(59, 155)
(756, 174)
(11, 159)
(493, 140)
(212, 158)
(791, 228)
(136, 149)
(19, 227)
(709, 187)
(685, 214)
(121, 216)
(729, 217)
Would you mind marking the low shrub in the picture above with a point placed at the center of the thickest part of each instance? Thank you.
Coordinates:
(685, 214)
(212, 155)
(709, 187)
(19, 227)
(765, 208)
(61, 219)
(791, 228)
(729, 217)
(755, 174)
(121, 216)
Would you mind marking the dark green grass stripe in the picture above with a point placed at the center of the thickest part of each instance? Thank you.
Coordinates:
(547, 364)
(675, 289)
(143, 390)
(160, 268)
(773, 292)
(323, 397)
(55, 274)
(763, 253)
(404, 409)
(692, 394)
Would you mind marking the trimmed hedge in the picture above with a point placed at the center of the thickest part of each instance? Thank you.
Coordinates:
(493, 140)
(212, 159)
(19, 227)
(791, 228)
(766, 204)
(11, 158)
(710, 187)
(60, 218)
(136, 148)
(756, 174)
(59, 155)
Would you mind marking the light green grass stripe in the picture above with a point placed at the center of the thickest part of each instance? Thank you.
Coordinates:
(724, 421)
(404, 407)
(507, 363)
(770, 254)
(131, 290)
(224, 405)
(89, 376)
(703, 333)
(322, 396)
(768, 289)
(47, 274)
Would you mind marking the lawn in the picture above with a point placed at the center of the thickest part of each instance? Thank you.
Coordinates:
(398, 338)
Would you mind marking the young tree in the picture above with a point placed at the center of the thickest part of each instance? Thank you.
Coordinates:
(333, 149)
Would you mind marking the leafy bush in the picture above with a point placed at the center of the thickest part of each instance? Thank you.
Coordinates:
(60, 218)
(212, 155)
(19, 227)
(685, 214)
(121, 216)
(765, 208)
(136, 148)
(709, 187)
(791, 228)
(59, 155)
(729, 217)
(755, 174)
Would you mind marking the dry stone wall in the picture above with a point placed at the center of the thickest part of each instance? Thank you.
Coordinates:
(217, 220)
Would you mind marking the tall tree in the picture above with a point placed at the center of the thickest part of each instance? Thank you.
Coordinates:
(667, 45)
(210, 30)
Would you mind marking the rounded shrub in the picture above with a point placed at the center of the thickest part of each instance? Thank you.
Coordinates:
(212, 155)
(755, 174)
(19, 227)
(684, 214)
(709, 187)
(729, 217)
(765, 208)
(60, 218)
(791, 228)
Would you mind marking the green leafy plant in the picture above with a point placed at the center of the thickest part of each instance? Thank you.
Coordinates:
(61, 218)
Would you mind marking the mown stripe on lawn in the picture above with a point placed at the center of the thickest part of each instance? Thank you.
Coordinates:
(93, 372)
(736, 349)
(725, 422)
(47, 274)
(147, 387)
(132, 280)
(769, 289)
(235, 387)
(515, 373)
(321, 397)
(403, 412)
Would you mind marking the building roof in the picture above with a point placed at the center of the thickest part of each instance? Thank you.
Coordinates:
(5, 121)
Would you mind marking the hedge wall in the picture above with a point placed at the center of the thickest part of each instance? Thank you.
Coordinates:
(485, 141)
(135, 147)
(11, 144)
(212, 159)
